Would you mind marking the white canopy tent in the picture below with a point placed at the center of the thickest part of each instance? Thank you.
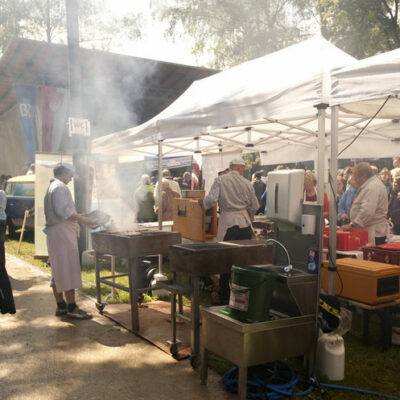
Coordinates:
(271, 104)
(259, 105)
(277, 105)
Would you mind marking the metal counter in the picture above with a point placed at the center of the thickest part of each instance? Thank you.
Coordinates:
(253, 344)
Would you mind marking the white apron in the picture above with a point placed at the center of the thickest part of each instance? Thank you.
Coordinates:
(62, 244)
(228, 219)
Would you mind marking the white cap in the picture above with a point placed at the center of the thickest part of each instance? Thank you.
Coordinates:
(237, 161)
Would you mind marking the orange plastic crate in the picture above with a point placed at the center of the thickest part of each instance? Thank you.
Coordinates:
(346, 241)
(365, 281)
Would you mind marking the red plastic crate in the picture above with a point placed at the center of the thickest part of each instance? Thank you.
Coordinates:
(346, 241)
(377, 253)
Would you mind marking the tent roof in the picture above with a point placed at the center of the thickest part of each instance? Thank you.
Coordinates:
(362, 87)
(267, 105)
(222, 106)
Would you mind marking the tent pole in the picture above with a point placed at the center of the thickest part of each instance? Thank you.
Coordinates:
(333, 206)
(321, 153)
(159, 189)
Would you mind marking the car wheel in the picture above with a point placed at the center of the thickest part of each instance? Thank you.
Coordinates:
(11, 228)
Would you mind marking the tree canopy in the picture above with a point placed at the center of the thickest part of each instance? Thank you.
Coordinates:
(46, 20)
(362, 28)
(233, 31)
(236, 30)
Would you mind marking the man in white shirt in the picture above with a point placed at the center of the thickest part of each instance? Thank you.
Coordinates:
(370, 205)
(166, 177)
(237, 202)
(238, 205)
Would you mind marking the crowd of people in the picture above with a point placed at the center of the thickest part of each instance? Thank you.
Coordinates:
(370, 199)
(147, 204)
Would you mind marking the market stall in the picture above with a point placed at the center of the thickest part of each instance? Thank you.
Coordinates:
(279, 105)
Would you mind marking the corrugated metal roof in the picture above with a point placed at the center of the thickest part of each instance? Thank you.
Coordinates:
(110, 82)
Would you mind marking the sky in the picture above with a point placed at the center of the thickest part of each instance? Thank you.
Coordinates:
(153, 44)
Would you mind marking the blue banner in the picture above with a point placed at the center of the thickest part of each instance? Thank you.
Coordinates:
(151, 163)
(26, 109)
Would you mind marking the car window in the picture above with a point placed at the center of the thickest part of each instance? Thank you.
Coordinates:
(20, 188)
(10, 188)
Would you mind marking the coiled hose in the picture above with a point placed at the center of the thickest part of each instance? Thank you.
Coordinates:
(278, 380)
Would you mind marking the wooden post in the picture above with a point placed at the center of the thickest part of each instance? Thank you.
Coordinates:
(113, 279)
(26, 215)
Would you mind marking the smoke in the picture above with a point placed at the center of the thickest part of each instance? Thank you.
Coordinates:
(114, 192)
(113, 89)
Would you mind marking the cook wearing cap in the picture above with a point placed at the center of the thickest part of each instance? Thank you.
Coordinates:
(62, 242)
(238, 205)
(222, 171)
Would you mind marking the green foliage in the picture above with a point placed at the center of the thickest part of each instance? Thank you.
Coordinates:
(46, 20)
(235, 30)
(362, 28)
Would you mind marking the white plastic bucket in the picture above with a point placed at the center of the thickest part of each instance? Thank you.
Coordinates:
(331, 356)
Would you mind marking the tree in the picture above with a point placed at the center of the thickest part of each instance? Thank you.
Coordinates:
(362, 28)
(236, 30)
(46, 20)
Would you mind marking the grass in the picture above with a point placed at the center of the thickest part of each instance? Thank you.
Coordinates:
(367, 367)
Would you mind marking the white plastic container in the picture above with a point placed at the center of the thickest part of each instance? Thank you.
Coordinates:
(331, 356)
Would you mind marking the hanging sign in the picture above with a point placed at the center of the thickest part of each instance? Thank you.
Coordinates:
(79, 126)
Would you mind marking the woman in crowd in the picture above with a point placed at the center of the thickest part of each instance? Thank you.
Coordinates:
(394, 206)
(168, 196)
(340, 186)
(386, 178)
(344, 205)
(310, 192)
(144, 200)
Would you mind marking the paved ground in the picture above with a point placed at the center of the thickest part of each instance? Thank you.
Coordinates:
(43, 357)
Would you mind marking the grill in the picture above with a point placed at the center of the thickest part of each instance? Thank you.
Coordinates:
(132, 245)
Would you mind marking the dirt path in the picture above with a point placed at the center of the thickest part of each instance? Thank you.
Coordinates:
(43, 357)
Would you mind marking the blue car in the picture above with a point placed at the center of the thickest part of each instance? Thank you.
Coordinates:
(20, 191)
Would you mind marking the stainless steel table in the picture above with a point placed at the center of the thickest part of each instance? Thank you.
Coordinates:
(253, 344)
(203, 259)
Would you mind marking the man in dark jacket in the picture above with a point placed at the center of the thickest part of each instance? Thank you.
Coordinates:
(259, 189)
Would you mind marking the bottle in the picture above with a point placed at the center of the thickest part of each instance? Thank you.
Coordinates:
(312, 261)
(331, 356)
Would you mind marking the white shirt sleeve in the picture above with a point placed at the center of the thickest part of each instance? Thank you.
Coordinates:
(213, 194)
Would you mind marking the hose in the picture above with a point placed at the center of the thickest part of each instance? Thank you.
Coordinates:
(281, 381)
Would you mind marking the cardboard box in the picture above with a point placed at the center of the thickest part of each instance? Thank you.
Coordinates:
(368, 282)
(192, 221)
(193, 194)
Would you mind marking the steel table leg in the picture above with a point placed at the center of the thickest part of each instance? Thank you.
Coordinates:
(204, 366)
(365, 326)
(99, 304)
(195, 322)
(133, 266)
(242, 384)
(387, 328)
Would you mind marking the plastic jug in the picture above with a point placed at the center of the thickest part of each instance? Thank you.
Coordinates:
(331, 356)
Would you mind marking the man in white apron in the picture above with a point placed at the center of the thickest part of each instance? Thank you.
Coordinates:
(370, 205)
(62, 242)
(238, 205)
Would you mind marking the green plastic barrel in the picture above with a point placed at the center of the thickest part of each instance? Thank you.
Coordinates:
(251, 293)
